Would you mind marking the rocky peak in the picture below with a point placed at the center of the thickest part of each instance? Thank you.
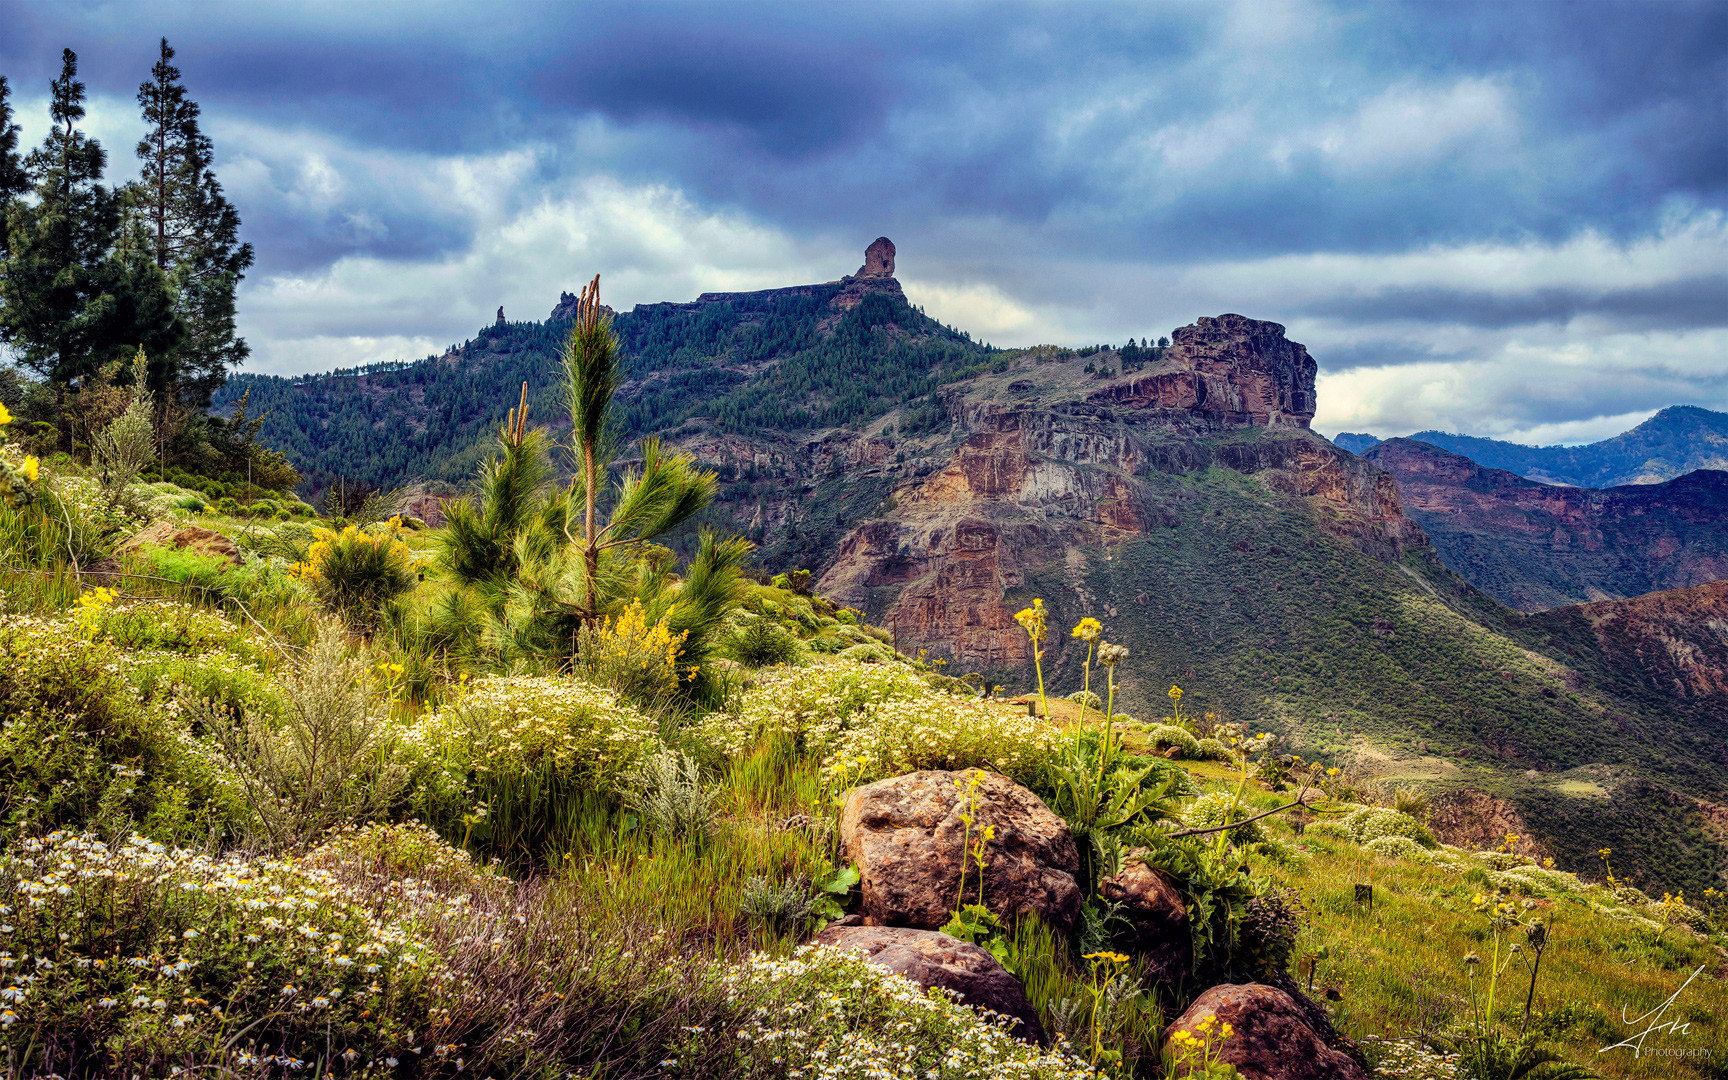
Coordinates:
(878, 260)
(565, 308)
(500, 314)
(1232, 371)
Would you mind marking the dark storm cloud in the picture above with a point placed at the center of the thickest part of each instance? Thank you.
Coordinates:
(1690, 304)
(1074, 161)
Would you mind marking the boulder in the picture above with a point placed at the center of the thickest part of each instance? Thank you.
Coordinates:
(878, 259)
(907, 838)
(930, 958)
(204, 541)
(1154, 909)
(1272, 1036)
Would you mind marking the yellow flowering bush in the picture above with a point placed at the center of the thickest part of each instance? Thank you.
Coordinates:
(842, 711)
(354, 573)
(636, 659)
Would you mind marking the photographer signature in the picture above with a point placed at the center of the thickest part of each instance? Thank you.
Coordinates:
(1654, 1021)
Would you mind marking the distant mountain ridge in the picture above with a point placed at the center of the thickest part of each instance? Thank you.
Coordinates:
(1534, 546)
(1678, 440)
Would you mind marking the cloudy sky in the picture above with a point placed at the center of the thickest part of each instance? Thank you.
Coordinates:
(1504, 219)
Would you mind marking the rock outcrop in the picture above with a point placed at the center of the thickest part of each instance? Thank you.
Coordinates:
(878, 259)
(930, 958)
(1235, 370)
(1272, 1036)
(907, 838)
(203, 541)
(1159, 919)
(1534, 546)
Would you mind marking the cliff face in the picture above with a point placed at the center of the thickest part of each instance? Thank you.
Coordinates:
(1534, 546)
(1046, 468)
(1233, 370)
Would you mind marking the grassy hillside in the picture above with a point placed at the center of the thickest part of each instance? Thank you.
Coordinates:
(1262, 618)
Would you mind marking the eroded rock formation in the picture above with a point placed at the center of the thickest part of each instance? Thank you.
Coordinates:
(1273, 1037)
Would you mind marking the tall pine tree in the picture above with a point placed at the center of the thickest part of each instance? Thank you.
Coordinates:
(53, 306)
(13, 180)
(190, 230)
(70, 300)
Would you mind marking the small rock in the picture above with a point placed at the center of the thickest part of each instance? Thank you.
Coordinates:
(906, 836)
(1271, 1037)
(930, 958)
(203, 541)
(1152, 905)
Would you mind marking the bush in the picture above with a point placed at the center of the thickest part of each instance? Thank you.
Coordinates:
(886, 714)
(1211, 810)
(665, 789)
(1166, 736)
(516, 761)
(79, 746)
(170, 626)
(635, 660)
(875, 1023)
(1398, 847)
(1088, 699)
(1213, 750)
(873, 653)
(330, 758)
(1373, 822)
(354, 573)
(175, 957)
(761, 642)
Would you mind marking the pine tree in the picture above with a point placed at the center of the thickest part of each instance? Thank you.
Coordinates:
(192, 231)
(53, 307)
(13, 180)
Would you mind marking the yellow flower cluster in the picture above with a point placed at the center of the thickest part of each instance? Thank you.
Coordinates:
(632, 634)
(325, 541)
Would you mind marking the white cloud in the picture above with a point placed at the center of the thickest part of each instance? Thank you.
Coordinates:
(981, 309)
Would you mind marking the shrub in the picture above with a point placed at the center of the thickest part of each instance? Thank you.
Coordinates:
(1088, 699)
(175, 957)
(1166, 736)
(1214, 809)
(1373, 822)
(213, 677)
(872, 653)
(328, 761)
(354, 573)
(636, 660)
(1213, 750)
(761, 642)
(781, 909)
(529, 755)
(886, 714)
(78, 745)
(875, 1023)
(1398, 847)
(171, 626)
(665, 789)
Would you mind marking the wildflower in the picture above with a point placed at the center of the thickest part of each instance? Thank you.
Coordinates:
(1110, 655)
(1174, 693)
(5, 417)
(31, 467)
(1472, 958)
(1088, 630)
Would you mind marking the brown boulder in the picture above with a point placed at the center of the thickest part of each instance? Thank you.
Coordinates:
(906, 836)
(1154, 908)
(878, 259)
(930, 958)
(1271, 1038)
(204, 541)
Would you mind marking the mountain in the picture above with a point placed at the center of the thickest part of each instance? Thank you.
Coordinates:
(1176, 494)
(1678, 440)
(792, 359)
(1533, 546)
(1355, 442)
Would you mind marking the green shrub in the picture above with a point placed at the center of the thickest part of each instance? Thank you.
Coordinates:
(354, 573)
(872, 653)
(216, 678)
(78, 746)
(1165, 736)
(161, 955)
(761, 642)
(873, 720)
(1214, 809)
(1373, 822)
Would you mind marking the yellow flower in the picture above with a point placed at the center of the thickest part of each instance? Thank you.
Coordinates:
(1088, 629)
(31, 465)
(5, 417)
(1175, 693)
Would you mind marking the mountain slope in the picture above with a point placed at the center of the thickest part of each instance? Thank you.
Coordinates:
(1534, 546)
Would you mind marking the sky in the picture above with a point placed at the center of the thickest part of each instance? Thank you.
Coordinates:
(1503, 219)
